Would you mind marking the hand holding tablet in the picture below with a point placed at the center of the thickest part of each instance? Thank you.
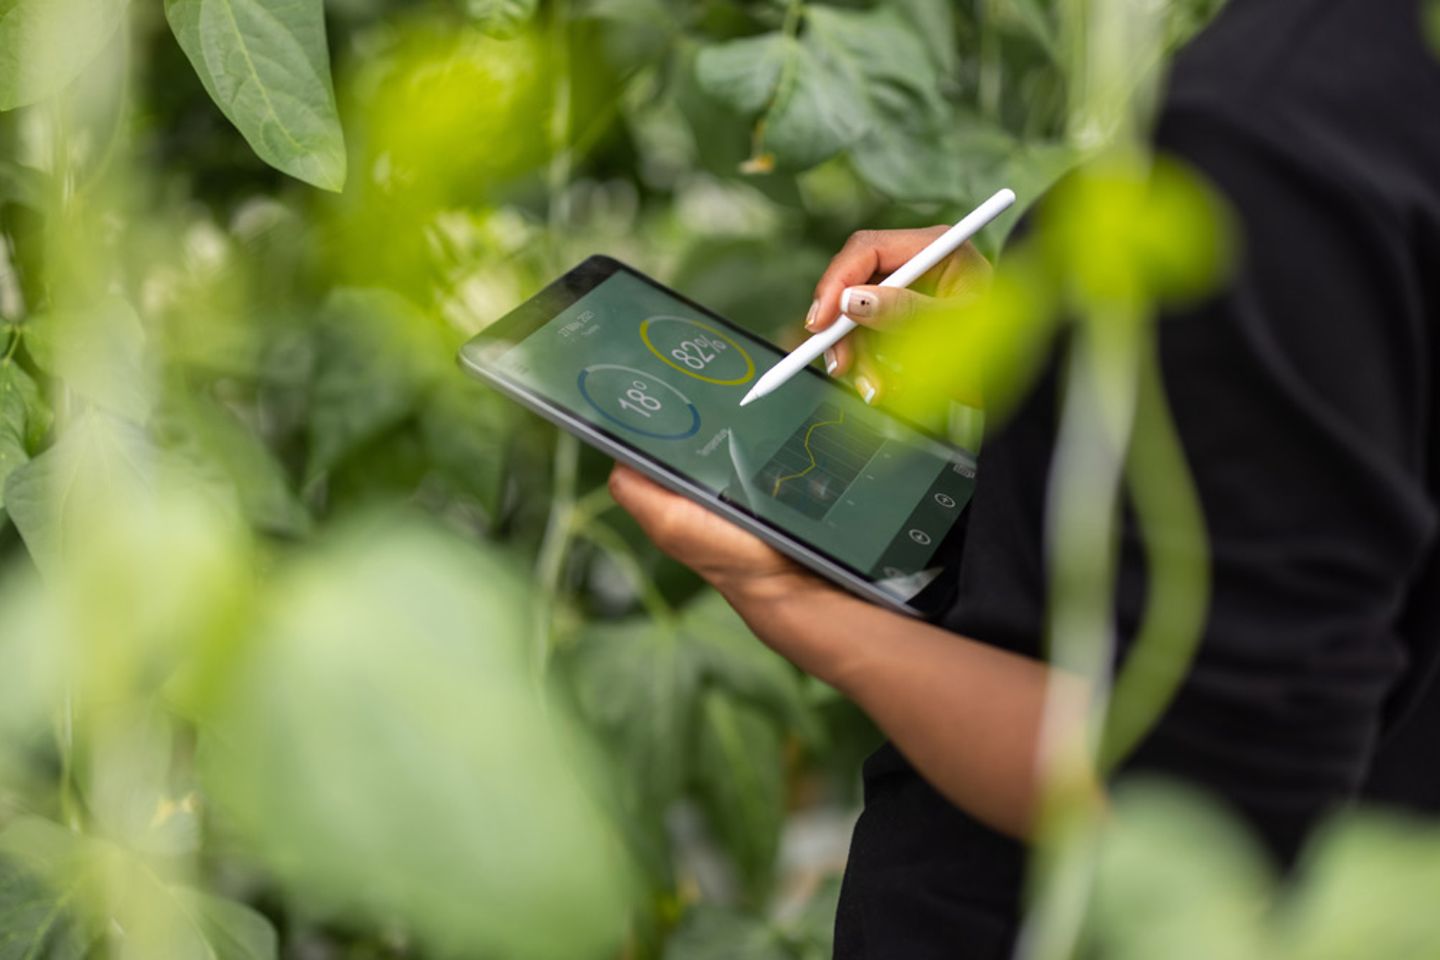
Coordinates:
(635, 369)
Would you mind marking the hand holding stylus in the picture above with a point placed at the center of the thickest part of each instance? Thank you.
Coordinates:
(859, 263)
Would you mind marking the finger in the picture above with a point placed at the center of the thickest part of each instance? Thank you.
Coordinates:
(839, 357)
(965, 274)
(870, 377)
(882, 308)
(651, 505)
(865, 254)
(678, 526)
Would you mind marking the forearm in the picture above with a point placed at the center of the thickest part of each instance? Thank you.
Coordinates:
(966, 715)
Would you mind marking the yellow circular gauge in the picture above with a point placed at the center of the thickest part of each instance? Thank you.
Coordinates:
(697, 350)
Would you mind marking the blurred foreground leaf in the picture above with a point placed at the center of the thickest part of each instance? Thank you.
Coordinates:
(500, 17)
(38, 916)
(23, 419)
(1367, 887)
(44, 44)
(266, 65)
(1178, 878)
(61, 892)
(384, 751)
(98, 462)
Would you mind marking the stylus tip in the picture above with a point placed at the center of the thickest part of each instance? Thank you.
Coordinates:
(752, 395)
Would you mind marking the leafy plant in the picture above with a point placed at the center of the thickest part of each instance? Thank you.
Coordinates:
(307, 643)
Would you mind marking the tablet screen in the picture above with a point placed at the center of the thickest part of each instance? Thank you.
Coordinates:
(858, 485)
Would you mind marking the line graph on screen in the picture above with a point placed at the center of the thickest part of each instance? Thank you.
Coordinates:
(818, 462)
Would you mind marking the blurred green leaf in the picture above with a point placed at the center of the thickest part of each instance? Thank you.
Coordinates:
(45, 44)
(100, 351)
(41, 878)
(374, 358)
(813, 932)
(1365, 887)
(23, 419)
(1030, 18)
(61, 891)
(232, 931)
(266, 65)
(383, 748)
(715, 933)
(1179, 878)
(98, 462)
(217, 440)
(636, 682)
(739, 772)
(934, 22)
(732, 659)
(21, 184)
(500, 17)
(847, 76)
(467, 430)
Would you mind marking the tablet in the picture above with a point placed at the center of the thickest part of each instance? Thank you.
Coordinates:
(653, 379)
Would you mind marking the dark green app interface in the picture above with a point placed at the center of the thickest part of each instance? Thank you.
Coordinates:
(811, 458)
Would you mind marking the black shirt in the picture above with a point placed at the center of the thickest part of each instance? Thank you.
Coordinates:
(1306, 400)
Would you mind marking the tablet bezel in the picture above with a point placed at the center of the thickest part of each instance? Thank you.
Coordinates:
(479, 355)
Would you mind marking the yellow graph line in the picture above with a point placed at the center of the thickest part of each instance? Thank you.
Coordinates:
(811, 453)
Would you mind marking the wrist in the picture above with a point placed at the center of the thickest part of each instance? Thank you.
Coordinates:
(803, 618)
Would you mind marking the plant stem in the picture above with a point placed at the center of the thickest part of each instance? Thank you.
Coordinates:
(554, 549)
(603, 536)
(1082, 522)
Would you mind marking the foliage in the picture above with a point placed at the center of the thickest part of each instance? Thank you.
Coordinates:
(1179, 878)
(308, 644)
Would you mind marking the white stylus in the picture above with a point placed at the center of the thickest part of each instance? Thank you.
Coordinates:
(912, 270)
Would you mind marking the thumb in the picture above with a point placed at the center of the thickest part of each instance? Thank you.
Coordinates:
(882, 307)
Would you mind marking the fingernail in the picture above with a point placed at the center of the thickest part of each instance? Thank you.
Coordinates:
(830, 361)
(810, 317)
(857, 303)
(866, 388)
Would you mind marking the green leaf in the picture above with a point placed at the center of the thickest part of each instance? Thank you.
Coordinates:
(266, 65)
(467, 430)
(1178, 878)
(220, 442)
(715, 933)
(375, 356)
(45, 44)
(23, 420)
(59, 889)
(500, 17)
(40, 886)
(1032, 19)
(808, 114)
(934, 22)
(381, 745)
(231, 931)
(848, 76)
(98, 463)
(739, 776)
(100, 351)
(21, 184)
(636, 682)
(1365, 888)
(733, 660)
